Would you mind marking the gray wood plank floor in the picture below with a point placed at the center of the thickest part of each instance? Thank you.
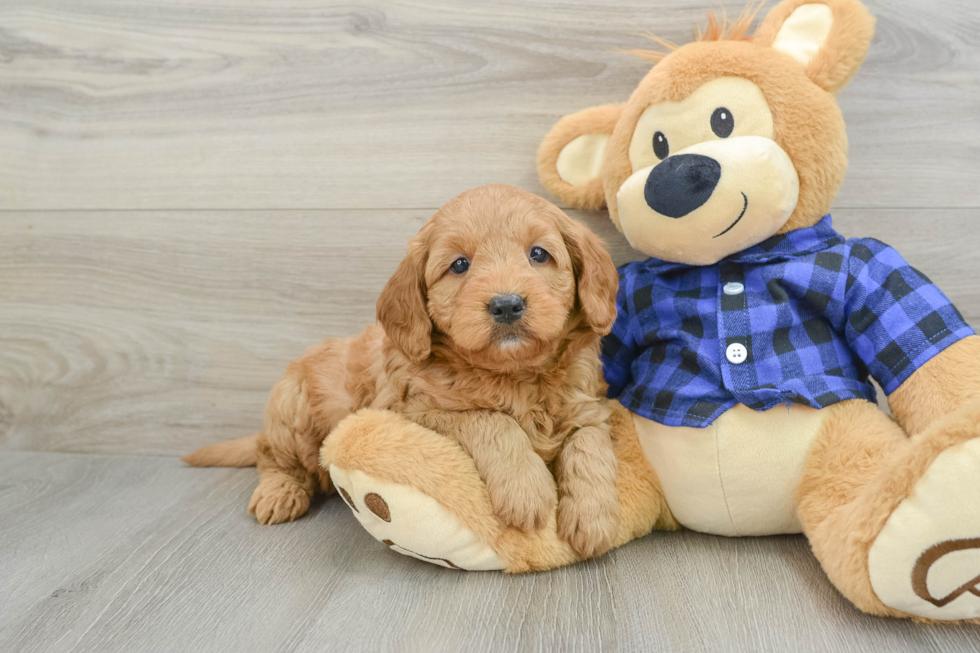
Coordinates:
(139, 553)
(191, 193)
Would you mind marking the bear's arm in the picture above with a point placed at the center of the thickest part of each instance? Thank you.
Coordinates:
(619, 347)
(895, 319)
(948, 382)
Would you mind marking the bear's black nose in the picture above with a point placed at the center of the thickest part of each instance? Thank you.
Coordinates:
(679, 184)
(506, 308)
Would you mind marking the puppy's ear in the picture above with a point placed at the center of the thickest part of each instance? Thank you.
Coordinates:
(402, 304)
(595, 274)
(571, 155)
(829, 38)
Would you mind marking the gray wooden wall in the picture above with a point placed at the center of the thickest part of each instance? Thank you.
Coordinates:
(193, 192)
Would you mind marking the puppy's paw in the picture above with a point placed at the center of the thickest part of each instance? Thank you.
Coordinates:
(588, 525)
(278, 500)
(524, 497)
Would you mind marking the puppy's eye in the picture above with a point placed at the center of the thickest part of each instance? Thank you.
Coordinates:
(460, 265)
(538, 255)
(660, 145)
(722, 122)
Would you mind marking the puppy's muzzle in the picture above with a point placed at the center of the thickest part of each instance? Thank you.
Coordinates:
(506, 309)
(681, 184)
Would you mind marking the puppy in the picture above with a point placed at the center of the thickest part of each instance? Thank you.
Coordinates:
(489, 334)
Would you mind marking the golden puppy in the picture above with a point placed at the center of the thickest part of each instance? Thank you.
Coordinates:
(489, 334)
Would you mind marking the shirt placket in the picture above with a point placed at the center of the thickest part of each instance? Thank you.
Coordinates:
(734, 331)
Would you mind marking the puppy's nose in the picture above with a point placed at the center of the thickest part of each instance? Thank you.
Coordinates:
(506, 308)
(679, 184)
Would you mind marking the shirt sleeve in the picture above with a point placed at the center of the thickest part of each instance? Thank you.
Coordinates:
(619, 348)
(897, 319)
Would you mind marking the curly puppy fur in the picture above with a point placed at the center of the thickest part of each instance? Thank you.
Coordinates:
(523, 399)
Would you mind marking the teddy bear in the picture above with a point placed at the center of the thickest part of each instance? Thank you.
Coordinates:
(740, 358)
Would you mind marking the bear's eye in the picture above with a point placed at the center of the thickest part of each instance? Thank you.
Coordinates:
(660, 146)
(460, 266)
(722, 122)
(538, 255)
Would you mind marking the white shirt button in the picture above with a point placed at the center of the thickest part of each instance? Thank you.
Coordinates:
(733, 288)
(736, 353)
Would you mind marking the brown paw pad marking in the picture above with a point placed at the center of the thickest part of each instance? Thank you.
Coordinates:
(448, 562)
(929, 557)
(347, 499)
(377, 505)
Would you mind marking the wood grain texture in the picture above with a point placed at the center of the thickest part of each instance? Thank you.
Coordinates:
(369, 104)
(137, 554)
(157, 332)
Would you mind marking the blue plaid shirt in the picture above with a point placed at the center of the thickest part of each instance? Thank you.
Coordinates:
(815, 314)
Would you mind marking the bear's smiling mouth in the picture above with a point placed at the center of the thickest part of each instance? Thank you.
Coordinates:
(740, 216)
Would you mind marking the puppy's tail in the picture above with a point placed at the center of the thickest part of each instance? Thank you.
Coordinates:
(231, 453)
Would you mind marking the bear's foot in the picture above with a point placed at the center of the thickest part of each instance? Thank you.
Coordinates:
(412, 523)
(893, 519)
(925, 561)
(419, 493)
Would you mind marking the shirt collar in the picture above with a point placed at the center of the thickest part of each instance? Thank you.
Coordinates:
(792, 244)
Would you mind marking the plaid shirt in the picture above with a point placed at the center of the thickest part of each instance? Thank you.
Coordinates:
(814, 314)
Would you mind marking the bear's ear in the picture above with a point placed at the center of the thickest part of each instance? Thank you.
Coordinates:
(571, 155)
(829, 38)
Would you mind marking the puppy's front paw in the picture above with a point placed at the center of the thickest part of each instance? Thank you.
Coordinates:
(278, 500)
(524, 497)
(588, 525)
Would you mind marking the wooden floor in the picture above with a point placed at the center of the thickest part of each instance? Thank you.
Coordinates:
(191, 193)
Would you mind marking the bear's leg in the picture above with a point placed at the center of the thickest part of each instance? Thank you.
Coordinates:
(895, 521)
(419, 493)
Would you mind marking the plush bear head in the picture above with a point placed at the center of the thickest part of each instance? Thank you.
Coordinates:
(727, 141)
